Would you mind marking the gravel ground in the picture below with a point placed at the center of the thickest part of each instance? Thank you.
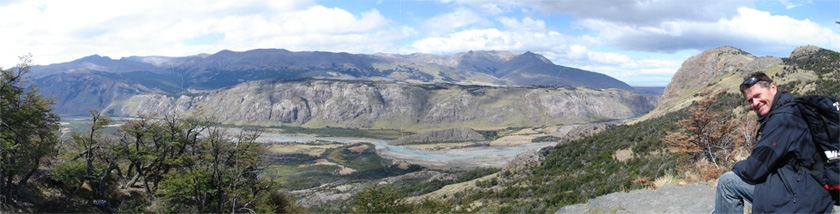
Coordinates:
(692, 198)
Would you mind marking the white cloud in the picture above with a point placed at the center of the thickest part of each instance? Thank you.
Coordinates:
(59, 31)
(561, 49)
(580, 52)
(644, 76)
(526, 34)
(754, 31)
(319, 19)
(789, 5)
(628, 12)
(493, 7)
(651, 69)
(647, 32)
(781, 30)
(448, 22)
(654, 63)
(527, 24)
(489, 39)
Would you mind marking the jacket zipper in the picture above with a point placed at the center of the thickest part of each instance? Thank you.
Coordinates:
(787, 185)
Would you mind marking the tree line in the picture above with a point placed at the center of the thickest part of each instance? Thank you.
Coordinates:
(168, 163)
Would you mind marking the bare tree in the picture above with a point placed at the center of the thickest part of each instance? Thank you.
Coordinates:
(707, 135)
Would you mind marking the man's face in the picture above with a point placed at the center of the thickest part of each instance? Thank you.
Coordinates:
(760, 98)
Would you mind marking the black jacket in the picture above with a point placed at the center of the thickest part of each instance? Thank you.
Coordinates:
(781, 186)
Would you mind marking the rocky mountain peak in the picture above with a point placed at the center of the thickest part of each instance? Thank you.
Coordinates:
(804, 51)
(96, 58)
(487, 62)
(727, 49)
(698, 71)
(530, 57)
(485, 55)
(223, 53)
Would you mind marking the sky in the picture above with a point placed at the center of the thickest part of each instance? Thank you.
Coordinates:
(640, 42)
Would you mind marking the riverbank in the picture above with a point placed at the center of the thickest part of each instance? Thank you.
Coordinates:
(459, 159)
(491, 155)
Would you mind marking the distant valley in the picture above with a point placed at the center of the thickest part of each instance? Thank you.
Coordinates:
(650, 90)
(440, 145)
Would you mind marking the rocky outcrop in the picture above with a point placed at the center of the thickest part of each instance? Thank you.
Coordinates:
(358, 104)
(584, 130)
(760, 63)
(724, 68)
(804, 52)
(690, 198)
(698, 71)
(441, 136)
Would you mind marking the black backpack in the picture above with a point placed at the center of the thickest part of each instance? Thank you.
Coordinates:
(823, 117)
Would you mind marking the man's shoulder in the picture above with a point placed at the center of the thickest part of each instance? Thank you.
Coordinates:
(788, 107)
(789, 110)
(787, 116)
(786, 112)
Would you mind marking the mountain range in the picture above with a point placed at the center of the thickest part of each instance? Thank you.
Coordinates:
(228, 68)
(367, 104)
(98, 82)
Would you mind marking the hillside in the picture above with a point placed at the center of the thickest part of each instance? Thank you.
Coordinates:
(724, 68)
(625, 157)
(606, 167)
(365, 104)
(95, 82)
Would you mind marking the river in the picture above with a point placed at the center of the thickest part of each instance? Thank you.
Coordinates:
(470, 157)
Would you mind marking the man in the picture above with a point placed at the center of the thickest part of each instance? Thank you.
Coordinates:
(770, 177)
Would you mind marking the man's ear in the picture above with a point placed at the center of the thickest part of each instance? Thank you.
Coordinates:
(773, 90)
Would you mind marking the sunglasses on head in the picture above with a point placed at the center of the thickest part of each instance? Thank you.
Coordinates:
(749, 82)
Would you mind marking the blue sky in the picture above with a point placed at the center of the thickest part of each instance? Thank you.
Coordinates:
(641, 42)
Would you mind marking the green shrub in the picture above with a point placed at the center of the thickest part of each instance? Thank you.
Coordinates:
(380, 199)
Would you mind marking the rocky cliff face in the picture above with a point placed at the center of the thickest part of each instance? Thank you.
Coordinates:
(319, 103)
(804, 52)
(698, 71)
(808, 69)
(179, 75)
